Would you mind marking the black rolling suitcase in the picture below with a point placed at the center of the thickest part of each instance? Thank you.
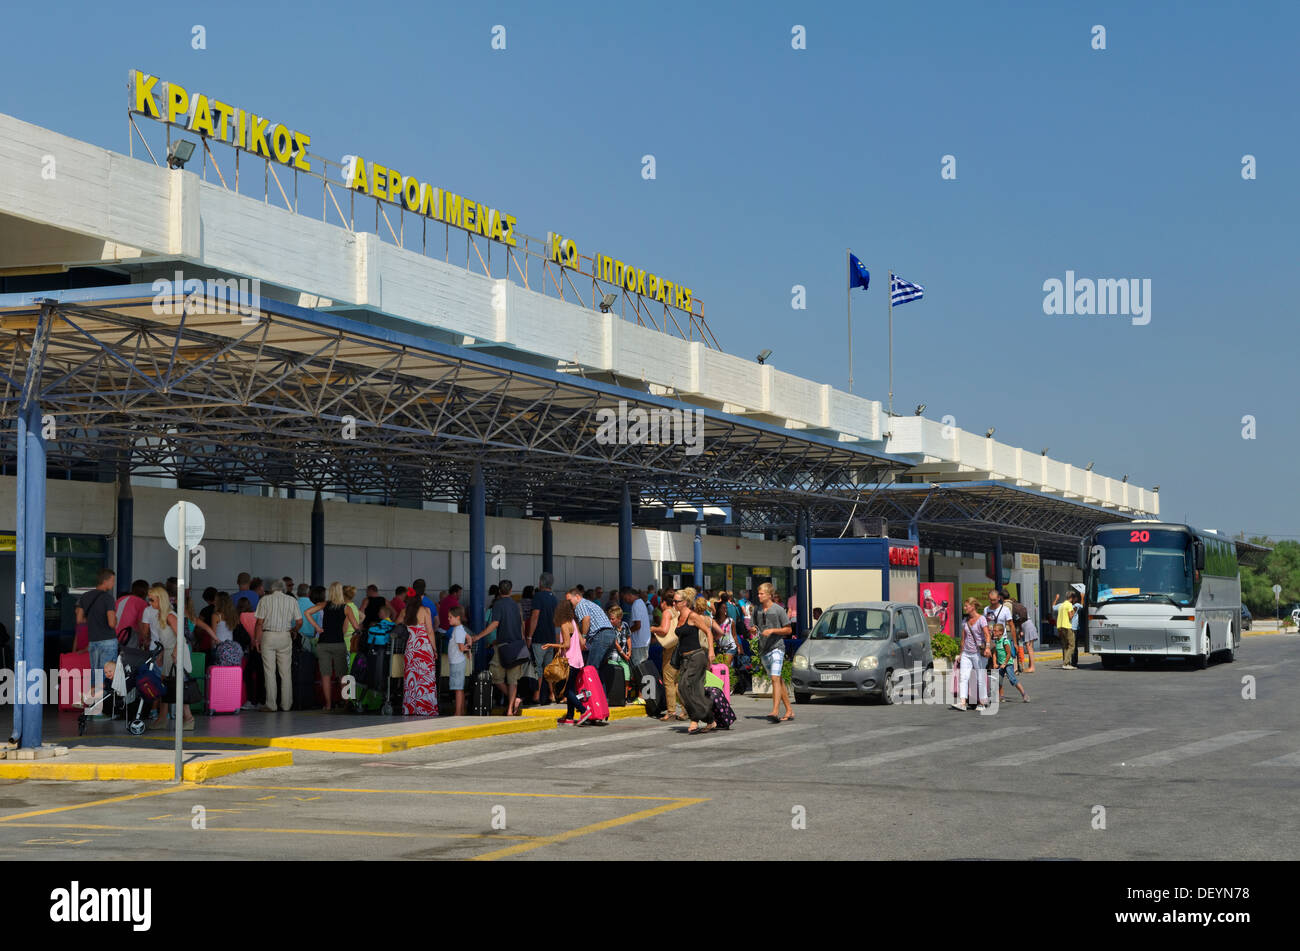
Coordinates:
(302, 671)
(615, 684)
(651, 687)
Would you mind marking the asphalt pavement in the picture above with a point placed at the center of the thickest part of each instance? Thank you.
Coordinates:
(1143, 763)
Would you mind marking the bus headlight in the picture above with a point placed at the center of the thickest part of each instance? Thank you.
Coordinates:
(1101, 637)
(1182, 637)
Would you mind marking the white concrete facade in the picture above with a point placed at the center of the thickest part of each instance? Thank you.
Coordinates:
(103, 208)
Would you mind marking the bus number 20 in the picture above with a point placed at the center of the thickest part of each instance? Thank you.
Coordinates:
(1135, 537)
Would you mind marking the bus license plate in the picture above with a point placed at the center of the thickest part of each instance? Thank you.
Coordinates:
(832, 678)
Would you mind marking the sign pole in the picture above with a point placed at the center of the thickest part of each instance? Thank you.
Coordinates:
(891, 353)
(182, 646)
(848, 295)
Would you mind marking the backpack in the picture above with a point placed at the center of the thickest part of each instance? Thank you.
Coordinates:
(1019, 614)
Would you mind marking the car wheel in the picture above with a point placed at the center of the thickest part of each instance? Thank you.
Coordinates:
(887, 691)
(801, 697)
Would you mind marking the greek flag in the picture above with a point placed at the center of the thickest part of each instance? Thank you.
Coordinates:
(901, 291)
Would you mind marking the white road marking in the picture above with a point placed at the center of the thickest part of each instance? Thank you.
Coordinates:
(838, 741)
(568, 744)
(1290, 759)
(692, 744)
(1068, 746)
(1199, 748)
(938, 746)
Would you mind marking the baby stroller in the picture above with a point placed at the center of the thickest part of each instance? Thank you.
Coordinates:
(137, 681)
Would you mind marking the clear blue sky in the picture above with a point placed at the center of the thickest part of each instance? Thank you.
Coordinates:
(771, 161)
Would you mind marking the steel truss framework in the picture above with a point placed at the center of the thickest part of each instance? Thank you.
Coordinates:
(289, 397)
(970, 516)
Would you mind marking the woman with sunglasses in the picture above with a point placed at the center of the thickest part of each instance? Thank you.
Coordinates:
(975, 650)
(695, 630)
(163, 624)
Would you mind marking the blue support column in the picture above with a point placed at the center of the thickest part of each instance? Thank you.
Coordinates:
(29, 563)
(477, 553)
(625, 539)
(125, 563)
(318, 542)
(699, 560)
(997, 562)
(804, 609)
(548, 546)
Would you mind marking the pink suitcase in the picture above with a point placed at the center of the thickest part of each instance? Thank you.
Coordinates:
(725, 673)
(71, 688)
(593, 694)
(225, 689)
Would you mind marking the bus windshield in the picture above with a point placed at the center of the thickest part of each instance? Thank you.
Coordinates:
(1143, 565)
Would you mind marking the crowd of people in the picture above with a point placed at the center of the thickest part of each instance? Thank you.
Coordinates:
(261, 626)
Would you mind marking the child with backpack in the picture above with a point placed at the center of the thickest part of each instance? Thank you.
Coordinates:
(1006, 657)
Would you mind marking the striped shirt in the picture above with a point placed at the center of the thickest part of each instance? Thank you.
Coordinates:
(599, 619)
(277, 612)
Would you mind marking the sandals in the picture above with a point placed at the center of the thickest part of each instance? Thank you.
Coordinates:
(773, 718)
(787, 717)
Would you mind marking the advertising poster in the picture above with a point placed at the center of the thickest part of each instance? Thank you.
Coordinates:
(939, 608)
(979, 590)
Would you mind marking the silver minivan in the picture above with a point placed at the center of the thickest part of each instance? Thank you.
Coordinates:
(864, 649)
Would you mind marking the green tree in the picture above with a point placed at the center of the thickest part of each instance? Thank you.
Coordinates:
(1280, 566)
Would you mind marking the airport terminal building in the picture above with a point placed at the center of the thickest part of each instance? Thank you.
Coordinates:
(361, 375)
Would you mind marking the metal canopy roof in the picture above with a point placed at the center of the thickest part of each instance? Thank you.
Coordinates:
(973, 515)
(215, 398)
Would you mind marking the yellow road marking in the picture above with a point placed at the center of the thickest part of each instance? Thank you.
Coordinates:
(367, 834)
(445, 792)
(98, 802)
(586, 830)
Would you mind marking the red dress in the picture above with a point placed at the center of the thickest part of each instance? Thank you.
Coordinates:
(420, 694)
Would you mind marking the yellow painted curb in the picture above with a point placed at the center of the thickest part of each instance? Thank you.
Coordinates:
(555, 711)
(382, 744)
(197, 772)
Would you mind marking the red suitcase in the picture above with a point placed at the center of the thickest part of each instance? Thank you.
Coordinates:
(225, 689)
(593, 694)
(71, 688)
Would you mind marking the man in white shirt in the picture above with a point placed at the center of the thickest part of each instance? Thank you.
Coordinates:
(638, 613)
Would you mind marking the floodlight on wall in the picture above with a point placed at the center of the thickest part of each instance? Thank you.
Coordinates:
(1155, 488)
(179, 152)
(1044, 451)
(920, 408)
(1125, 479)
(764, 356)
(607, 302)
(989, 434)
(1088, 467)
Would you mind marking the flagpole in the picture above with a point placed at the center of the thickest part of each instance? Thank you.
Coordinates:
(891, 352)
(848, 293)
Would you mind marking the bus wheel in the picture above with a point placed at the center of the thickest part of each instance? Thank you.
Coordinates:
(1202, 661)
(1108, 661)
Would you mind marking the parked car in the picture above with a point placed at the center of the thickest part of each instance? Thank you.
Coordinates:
(1246, 619)
(864, 649)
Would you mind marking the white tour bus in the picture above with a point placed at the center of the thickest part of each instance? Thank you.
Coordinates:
(1157, 589)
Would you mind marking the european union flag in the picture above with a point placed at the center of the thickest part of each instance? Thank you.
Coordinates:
(859, 276)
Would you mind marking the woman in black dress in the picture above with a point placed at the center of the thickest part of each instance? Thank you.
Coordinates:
(695, 630)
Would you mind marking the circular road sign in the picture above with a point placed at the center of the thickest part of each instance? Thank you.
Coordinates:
(194, 525)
